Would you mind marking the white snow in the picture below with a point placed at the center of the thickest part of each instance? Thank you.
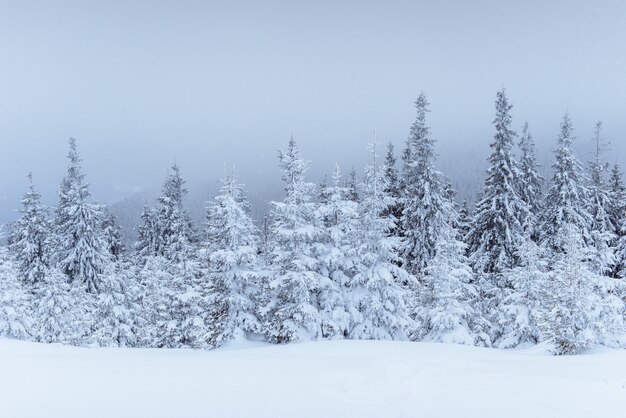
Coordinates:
(320, 379)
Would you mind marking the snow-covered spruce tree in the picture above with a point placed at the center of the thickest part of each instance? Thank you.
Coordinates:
(497, 227)
(566, 203)
(175, 229)
(232, 245)
(518, 311)
(617, 194)
(530, 184)
(116, 309)
(620, 253)
(599, 204)
(148, 242)
(291, 312)
(112, 233)
(15, 315)
(337, 216)
(446, 312)
(392, 181)
(31, 234)
(82, 250)
(578, 312)
(183, 305)
(352, 186)
(379, 291)
(423, 195)
(464, 222)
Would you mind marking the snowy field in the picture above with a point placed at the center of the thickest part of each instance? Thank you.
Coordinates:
(321, 379)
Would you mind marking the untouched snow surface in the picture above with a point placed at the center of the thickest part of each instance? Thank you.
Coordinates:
(321, 379)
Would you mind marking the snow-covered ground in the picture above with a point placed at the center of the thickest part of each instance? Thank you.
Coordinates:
(321, 379)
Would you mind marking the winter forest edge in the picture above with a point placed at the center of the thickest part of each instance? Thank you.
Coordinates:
(387, 254)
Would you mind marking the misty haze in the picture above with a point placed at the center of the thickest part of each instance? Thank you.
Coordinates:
(239, 208)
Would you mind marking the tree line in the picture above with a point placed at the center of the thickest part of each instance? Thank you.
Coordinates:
(389, 254)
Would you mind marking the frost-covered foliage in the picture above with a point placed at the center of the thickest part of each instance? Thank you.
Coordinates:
(31, 237)
(599, 206)
(423, 195)
(446, 310)
(565, 203)
(578, 311)
(379, 290)
(115, 321)
(82, 250)
(15, 315)
(232, 247)
(166, 230)
(517, 313)
(387, 257)
(530, 184)
(112, 233)
(337, 214)
(291, 311)
(497, 226)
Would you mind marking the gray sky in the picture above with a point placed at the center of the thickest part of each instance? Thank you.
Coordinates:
(141, 84)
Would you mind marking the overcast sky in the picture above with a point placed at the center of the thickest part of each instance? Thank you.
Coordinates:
(143, 84)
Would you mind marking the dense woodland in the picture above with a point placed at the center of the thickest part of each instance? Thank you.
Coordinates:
(387, 253)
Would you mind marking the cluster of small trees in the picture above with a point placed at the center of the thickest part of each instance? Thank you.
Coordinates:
(391, 256)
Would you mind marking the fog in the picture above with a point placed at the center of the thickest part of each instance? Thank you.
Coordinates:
(215, 84)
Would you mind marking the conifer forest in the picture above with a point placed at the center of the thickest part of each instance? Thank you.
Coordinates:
(385, 252)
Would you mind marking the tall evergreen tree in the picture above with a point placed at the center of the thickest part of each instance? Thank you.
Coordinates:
(446, 311)
(148, 242)
(112, 232)
(292, 311)
(393, 186)
(600, 205)
(338, 218)
(617, 194)
(566, 203)
(379, 294)
(232, 246)
(83, 253)
(31, 237)
(174, 224)
(423, 198)
(530, 183)
(497, 229)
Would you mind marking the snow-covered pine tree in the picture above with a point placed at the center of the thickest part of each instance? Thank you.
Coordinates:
(617, 194)
(530, 183)
(31, 234)
(176, 232)
(148, 242)
(518, 312)
(497, 227)
(82, 250)
(566, 203)
(464, 222)
(116, 310)
(352, 186)
(599, 206)
(337, 217)
(379, 292)
(15, 315)
(620, 252)
(423, 195)
(393, 187)
(291, 312)
(445, 311)
(112, 233)
(232, 241)
(578, 312)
